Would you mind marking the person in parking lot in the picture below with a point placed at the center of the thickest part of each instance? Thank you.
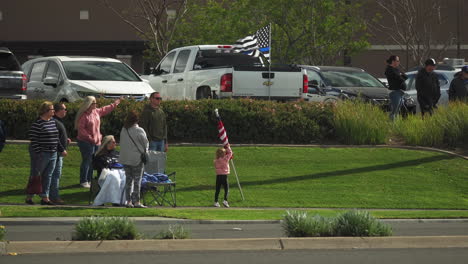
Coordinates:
(153, 121)
(44, 137)
(459, 86)
(88, 123)
(396, 83)
(428, 87)
(60, 113)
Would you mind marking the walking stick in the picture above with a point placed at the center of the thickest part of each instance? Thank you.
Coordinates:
(223, 136)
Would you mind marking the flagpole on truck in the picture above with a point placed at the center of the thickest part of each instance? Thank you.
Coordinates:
(223, 136)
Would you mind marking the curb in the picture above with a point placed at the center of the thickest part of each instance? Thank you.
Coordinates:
(65, 247)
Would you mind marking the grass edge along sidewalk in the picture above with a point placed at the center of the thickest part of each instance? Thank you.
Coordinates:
(11, 211)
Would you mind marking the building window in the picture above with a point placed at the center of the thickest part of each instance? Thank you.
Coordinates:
(84, 15)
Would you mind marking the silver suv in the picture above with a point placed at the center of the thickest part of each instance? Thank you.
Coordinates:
(12, 79)
(70, 78)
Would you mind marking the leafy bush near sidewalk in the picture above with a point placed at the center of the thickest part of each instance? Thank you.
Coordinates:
(350, 223)
(105, 228)
(358, 123)
(360, 223)
(448, 126)
(174, 232)
(2, 232)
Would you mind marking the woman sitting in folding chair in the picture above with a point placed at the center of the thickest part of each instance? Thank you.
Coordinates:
(111, 174)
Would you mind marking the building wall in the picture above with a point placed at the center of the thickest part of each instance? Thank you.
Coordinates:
(53, 27)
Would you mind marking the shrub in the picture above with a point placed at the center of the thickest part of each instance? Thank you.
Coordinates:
(105, 228)
(448, 126)
(351, 223)
(299, 224)
(174, 232)
(360, 223)
(247, 121)
(2, 232)
(357, 122)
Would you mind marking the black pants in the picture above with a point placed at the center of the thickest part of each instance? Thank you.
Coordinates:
(221, 180)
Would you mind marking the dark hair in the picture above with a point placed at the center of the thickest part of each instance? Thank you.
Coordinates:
(132, 119)
(391, 59)
(58, 106)
(153, 93)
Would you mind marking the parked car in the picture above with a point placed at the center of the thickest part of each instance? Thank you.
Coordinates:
(12, 79)
(350, 82)
(218, 71)
(444, 76)
(69, 78)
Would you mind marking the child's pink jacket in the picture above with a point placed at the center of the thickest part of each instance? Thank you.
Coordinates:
(222, 164)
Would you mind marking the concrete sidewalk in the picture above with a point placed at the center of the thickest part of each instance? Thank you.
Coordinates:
(64, 247)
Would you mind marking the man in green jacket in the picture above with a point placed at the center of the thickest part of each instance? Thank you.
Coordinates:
(153, 121)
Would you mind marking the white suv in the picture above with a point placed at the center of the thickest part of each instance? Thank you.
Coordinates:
(69, 78)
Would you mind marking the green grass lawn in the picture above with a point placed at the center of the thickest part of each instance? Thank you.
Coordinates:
(284, 177)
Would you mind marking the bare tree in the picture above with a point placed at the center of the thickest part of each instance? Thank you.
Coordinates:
(155, 21)
(412, 25)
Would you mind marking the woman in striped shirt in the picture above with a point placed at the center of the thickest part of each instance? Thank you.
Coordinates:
(43, 150)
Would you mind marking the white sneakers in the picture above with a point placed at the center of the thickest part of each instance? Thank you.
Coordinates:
(85, 185)
(225, 203)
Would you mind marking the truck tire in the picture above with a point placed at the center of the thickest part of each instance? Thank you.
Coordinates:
(203, 93)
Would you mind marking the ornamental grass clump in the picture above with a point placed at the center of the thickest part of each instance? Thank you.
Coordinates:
(2, 232)
(360, 223)
(105, 228)
(299, 224)
(174, 232)
(357, 122)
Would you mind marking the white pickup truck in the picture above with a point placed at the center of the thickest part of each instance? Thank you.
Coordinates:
(216, 71)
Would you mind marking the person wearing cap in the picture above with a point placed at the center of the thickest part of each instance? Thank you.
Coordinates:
(459, 86)
(396, 84)
(428, 87)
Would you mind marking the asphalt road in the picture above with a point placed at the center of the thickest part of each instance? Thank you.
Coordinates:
(355, 256)
(50, 232)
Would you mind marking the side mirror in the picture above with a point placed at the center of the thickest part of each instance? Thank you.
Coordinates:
(51, 81)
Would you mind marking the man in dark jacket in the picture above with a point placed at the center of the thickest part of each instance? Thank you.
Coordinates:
(153, 121)
(459, 86)
(60, 112)
(428, 87)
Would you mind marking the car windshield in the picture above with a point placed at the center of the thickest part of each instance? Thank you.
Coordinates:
(98, 71)
(342, 78)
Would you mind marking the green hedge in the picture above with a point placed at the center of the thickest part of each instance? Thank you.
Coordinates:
(247, 121)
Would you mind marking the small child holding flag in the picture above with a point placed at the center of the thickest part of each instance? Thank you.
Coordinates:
(221, 164)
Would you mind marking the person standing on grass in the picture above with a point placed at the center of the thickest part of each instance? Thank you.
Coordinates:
(60, 113)
(428, 87)
(133, 143)
(396, 84)
(221, 164)
(153, 121)
(44, 137)
(459, 86)
(88, 123)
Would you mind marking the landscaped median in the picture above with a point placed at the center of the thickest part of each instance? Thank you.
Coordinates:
(65, 247)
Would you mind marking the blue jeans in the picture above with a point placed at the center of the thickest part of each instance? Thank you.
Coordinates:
(156, 145)
(55, 181)
(395, 102)
(86, 169)
(46, 166)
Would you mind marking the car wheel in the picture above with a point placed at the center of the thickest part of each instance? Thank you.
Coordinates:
(203, 93)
